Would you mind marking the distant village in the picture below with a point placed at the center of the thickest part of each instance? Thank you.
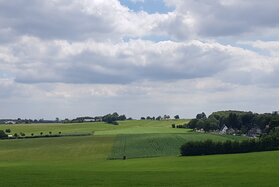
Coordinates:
(253, 132)
(235, 123)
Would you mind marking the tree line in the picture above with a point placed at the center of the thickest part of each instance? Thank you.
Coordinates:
(265, 143)
(165, 117)
(108, 118)
(237, 120)
(21, 135)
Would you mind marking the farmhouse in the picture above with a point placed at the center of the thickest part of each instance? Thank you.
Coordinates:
(89, 120)
(10, 122)
(224, 129)
(200, 130)
(230, 131)
(254, 132)
(98, 118)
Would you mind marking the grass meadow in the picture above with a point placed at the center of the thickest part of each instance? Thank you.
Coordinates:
(151, 148)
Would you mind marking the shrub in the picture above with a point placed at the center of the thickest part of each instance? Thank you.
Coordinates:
(209, 147)
(3, 134)
(114, 123)
(22, 134)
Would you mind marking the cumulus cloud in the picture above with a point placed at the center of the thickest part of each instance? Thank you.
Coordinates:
(67, 52)
(74, 19)
(36, 60)
(227, 18)
(184, 97)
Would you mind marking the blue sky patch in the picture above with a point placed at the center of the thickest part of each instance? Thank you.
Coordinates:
(150, 6)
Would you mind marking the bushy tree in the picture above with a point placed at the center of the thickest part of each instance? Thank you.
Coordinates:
(148, 118)
(112, 118)
(3, 134)
(192, 124)
(122, 118)
(158, 118)
(201, 116)
(233, 121)
(22, 134)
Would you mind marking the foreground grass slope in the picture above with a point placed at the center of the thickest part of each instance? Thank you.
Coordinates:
(252, 169)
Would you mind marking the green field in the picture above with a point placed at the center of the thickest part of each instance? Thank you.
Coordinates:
(125, 127)
(151, 145)
(83, 161)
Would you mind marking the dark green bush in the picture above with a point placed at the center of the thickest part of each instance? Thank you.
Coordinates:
(208, 147)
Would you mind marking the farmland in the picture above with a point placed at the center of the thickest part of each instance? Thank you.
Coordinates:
(125, 127)
(152, 145)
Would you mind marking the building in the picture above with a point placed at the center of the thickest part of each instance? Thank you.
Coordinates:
(254, 132)
(10, 122)
(89, 120)
(224, 129)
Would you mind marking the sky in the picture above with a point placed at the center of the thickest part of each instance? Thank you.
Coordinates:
(69, 58)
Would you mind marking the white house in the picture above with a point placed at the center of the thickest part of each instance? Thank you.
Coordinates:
(254, 132)
(224, 129)
(10, 122)
(89, 120)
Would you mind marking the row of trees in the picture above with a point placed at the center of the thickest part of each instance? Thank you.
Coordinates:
(27, 121)
(238, 120)
(178, 126)
(3, 134)
(108, 118)
(165, 117)
(208, 147)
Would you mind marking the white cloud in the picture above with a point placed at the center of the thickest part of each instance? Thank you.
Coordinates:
(227, 18)
(75, 20)
(184, 97)
(35, 60)
(92, 53)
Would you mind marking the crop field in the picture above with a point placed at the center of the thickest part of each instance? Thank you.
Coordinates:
(153, 145)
